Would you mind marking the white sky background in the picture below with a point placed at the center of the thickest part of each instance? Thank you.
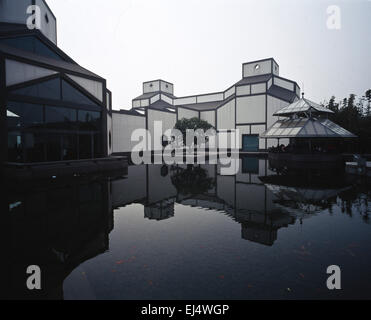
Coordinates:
(200, 45)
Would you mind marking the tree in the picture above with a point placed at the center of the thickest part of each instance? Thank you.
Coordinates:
(184, 125)
(368, 101)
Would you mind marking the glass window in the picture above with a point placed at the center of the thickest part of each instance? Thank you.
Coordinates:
(24, 114)
(31, 44)
(60, 118)
(86, 146)
(34, 144)
(89, 120)
(48, 90)
(53, 147)
(69, 147)
(15, 146)
(71, 94)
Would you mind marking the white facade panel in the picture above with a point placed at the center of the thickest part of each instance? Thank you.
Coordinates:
(210, 98)
(167, 120)
(153, 86)
(226, 116)
(276, 69)
(257, 68)
(123, 125)
(167, 99)
(181, 101)
(284, 84)
(95, 88)
(136, 103)
(298, 91)
(244, 90)
(258, 88)
(251, 109)
(167, 87)
(229, 92)
(208, 116)
(144, 103)
(274, 105)
(187, 114)
(18, 72)
(155, 99)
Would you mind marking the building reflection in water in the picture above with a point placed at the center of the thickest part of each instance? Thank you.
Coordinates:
(56, 227)
(61, 225)
(261, 207)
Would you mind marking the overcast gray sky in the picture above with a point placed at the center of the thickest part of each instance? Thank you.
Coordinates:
(199, 45)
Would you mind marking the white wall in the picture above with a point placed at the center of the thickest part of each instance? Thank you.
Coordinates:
(210, 98)
(208, 116)
(226, 116)
(283, 84)
(123, 126)
(258, 88)
(187, 114)
(180, 101)
(168, 121)
(265, 68)
(274, 104)
(244, 90)
(251, 109)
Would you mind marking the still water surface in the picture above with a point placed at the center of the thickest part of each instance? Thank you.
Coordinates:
(178, 232)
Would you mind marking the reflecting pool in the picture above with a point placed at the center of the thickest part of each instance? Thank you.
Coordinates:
(187, 232)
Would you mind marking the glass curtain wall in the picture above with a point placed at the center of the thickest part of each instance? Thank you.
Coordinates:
(46, 132)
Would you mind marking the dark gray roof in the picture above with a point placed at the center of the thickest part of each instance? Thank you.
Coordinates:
(207, 106)
(152, 94)
(161, 105)
(282, 93)
(146, 96)
(254, 79)
(47, 61)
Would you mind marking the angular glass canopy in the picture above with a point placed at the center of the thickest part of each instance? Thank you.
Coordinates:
(302, 106)
(306, 128)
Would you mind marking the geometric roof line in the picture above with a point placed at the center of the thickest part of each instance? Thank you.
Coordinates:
(301, 106)
(19, 72)
(306, 128)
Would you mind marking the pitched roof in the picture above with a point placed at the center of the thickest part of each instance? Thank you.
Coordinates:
(302, 105)
(306, 128)
(254, 79)
(282, 93)
(47, 61)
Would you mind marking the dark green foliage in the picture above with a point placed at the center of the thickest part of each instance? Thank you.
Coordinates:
(355, 117)
(192, 124)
